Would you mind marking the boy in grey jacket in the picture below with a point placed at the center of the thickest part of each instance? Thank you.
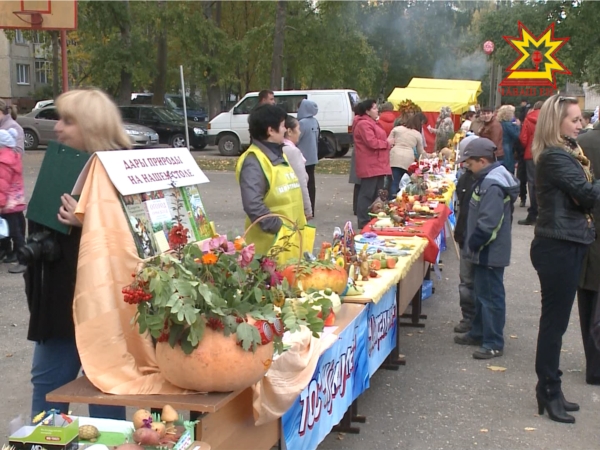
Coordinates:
(488, 241)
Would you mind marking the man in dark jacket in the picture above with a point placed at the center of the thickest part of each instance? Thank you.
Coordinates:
(589, 285)
(488, 241)
(464, 190)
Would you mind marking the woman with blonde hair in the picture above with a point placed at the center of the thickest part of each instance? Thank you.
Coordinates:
(564, 230)
(511, 127)
(407, 145)
(90, 122)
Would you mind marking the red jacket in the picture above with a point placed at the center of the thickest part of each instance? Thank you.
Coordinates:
(371, 148)
(386, 120)
(527, 130)
(493, 131)
(12, 193)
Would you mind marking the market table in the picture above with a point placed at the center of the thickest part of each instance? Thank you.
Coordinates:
(225, 419)
(430, 229)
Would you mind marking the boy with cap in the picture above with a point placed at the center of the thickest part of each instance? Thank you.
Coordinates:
(488, 242)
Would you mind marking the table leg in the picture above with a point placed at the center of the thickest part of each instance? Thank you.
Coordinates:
(345, 425)
(355, 416)
(394, 361)
(415, 315)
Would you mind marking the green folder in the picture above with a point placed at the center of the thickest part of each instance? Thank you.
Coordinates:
(59, 172)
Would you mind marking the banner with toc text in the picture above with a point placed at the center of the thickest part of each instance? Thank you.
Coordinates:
(382, 328)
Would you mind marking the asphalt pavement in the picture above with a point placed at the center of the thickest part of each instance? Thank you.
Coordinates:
(441, 399)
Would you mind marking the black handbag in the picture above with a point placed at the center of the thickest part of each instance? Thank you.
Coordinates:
(324, 147)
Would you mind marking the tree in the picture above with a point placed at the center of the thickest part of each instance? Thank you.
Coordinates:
(278, 41)
(160, 81)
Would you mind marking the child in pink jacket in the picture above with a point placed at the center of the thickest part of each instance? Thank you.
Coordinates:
(12, 195)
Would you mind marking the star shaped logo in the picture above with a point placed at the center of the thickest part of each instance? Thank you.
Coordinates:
(541, 49)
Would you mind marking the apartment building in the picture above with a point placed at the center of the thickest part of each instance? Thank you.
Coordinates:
(25, 67)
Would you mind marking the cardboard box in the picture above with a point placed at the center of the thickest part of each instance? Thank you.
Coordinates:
(55, 432)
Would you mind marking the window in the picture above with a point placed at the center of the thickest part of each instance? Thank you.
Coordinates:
(289, 103)
(48, 114)
(22, 73)
(39, 37)
(19, 39)
(246, 106)
(148, 114)
(42, 68)
(129, 113)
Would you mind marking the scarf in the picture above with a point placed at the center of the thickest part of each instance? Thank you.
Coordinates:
(572, 147)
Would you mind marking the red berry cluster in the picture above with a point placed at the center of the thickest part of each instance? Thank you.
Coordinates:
(215, 324)
(136, 292)
(178, 236)
(134, 295)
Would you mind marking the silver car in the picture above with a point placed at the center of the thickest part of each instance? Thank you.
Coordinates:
(38, 127)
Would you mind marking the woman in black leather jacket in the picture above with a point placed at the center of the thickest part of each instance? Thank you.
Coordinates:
(564, 230)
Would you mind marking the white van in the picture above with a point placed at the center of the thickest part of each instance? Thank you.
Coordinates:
(229, 130)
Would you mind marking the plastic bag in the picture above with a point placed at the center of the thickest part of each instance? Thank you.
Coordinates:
(4, 231)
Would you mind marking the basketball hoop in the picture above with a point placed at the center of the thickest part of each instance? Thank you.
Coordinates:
(33, 18)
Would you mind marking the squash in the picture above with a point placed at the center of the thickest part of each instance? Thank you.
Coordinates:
(317, 275)
(391, 263)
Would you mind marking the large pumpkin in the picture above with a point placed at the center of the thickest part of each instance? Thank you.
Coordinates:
(317, 276)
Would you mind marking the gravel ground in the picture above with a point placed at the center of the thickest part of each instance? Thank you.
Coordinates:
(442, 398)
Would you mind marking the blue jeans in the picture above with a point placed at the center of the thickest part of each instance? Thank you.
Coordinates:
(397, 174)
(56, 363)
(490, 306)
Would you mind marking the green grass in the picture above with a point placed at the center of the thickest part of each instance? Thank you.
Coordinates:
(327, 166)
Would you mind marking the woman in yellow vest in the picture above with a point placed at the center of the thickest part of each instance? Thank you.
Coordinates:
(270, 186)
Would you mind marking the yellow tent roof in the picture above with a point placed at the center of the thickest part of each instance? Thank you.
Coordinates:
(432, 100)
(433, 83)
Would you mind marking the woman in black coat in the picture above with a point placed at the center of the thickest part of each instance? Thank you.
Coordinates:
(564, 230)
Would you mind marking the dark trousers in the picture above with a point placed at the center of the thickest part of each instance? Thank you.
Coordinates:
(587, 301)
(16, 228)
(532, 211)
(490, 306)
(522, 176)
(355, 197)
(465, 289)
(366, 196)
(558, 264)
(397, 174)
(312, 190)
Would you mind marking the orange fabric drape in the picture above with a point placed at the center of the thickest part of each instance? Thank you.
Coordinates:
(114, 356)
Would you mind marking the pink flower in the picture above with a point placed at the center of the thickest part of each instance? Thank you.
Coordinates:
(268, 265)
(276, 278)
(246, 256)
(219, 243)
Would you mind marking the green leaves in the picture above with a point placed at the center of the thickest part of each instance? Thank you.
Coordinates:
(248, 336)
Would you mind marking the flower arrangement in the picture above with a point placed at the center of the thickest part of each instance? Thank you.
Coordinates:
(407, 108)
(221, 284)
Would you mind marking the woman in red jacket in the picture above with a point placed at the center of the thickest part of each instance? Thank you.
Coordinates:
(372, 157)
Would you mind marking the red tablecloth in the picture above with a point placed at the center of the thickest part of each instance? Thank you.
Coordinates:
(430, 229)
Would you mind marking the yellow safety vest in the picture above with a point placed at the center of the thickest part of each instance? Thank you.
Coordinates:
(284, 197)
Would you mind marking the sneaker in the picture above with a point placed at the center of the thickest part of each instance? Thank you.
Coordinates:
(462, 327)
(522, 205)
(465, 339)
(487, 353)
(18, 268)
(527, 221)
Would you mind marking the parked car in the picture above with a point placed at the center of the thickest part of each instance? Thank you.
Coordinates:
(229, 130)
(38, 128)
(195, 112)
(43, 104)
(167, 123)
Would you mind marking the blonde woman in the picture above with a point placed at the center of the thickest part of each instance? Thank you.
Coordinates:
(511, 127)
(564, 230)
(407, 145)
(89, 121)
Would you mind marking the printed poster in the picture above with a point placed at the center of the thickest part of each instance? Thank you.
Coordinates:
(382, 329)
(342, 374)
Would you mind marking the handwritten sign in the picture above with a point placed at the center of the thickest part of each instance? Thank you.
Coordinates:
(136, 171)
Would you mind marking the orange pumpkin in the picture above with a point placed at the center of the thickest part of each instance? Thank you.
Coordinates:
(317, 277)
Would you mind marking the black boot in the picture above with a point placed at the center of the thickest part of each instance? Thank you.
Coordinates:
(555, 408)
(569, 406)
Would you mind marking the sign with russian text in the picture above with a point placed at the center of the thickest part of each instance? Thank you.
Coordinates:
(382, 328)
(136, 171)
(342, 374)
